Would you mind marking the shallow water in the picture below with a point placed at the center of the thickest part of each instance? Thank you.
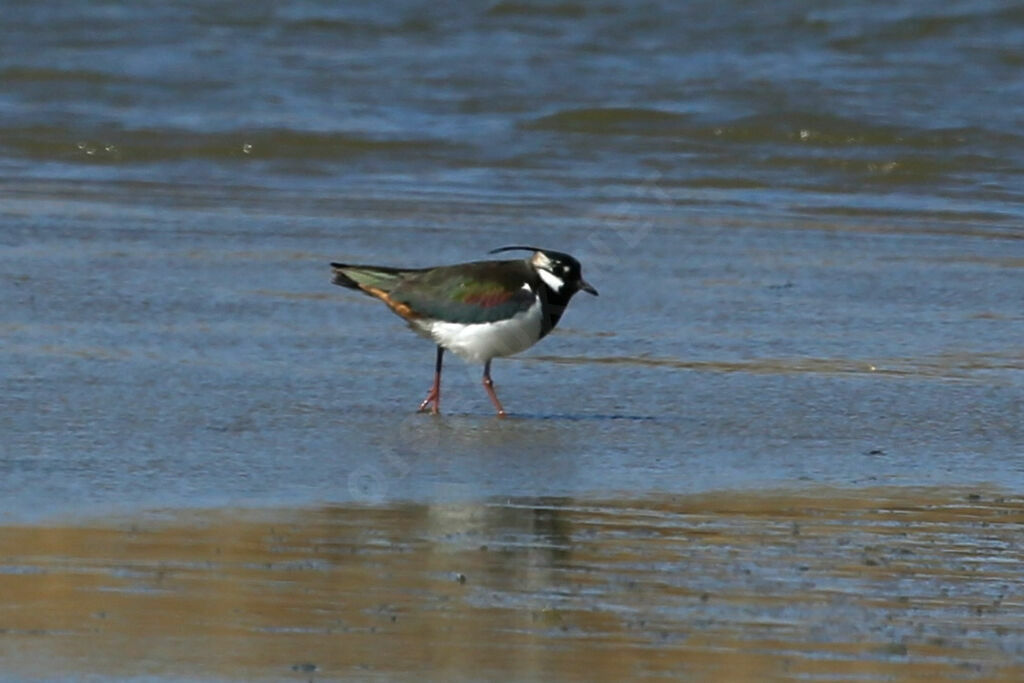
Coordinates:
(805, 224)
(144, 369)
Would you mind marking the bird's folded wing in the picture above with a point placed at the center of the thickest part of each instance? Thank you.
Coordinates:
(468, 293)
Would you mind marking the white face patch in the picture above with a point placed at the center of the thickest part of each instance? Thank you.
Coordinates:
(551, 280)
(540, 260)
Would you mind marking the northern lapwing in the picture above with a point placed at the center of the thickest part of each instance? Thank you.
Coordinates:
(479, 310)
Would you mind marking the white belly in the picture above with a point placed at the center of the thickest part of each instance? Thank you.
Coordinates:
(481, 342)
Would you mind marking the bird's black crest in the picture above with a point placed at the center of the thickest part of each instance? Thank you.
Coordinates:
(550, 253)
(514, 248)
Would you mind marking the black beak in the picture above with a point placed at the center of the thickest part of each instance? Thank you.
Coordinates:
(586, 287)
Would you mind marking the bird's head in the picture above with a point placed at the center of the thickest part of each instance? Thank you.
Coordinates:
(559, 271)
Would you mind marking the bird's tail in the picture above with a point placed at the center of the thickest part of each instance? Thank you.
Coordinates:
(367, 278)
(377, 281)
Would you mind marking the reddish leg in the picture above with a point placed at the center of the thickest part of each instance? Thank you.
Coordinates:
(435, 390)
(489, 386)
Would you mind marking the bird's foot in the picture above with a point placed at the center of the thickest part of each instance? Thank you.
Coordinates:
(432, 400)
(489, 386)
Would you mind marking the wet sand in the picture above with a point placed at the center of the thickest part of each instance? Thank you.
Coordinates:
(797, 457)
(879, 584)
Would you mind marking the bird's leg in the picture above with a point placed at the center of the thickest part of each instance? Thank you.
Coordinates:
(435, 390)
(489, 386)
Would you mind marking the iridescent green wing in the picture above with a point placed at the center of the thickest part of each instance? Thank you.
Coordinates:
(482, 292)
